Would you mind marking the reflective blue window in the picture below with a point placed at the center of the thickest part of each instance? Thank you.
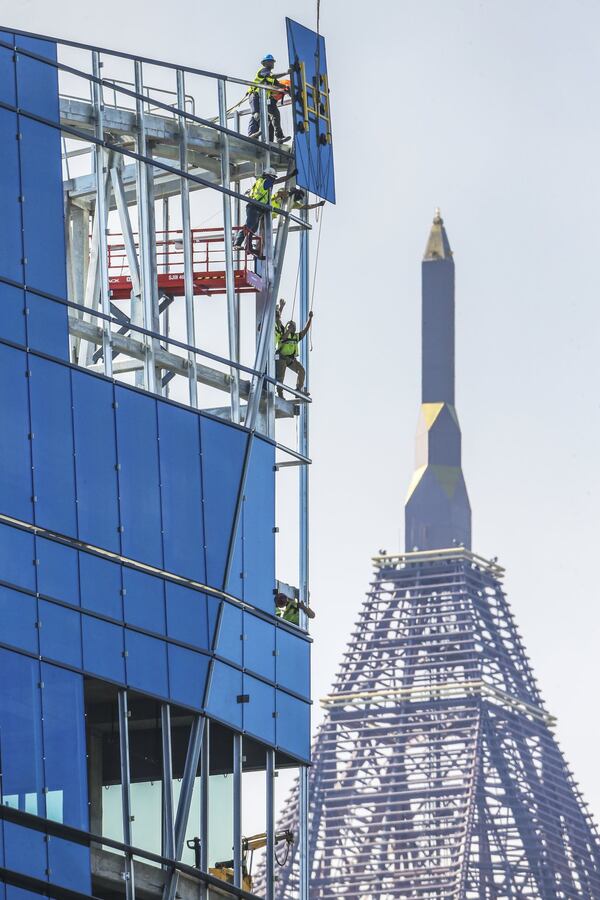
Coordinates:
(47, 326)
(25, 850)
(235, 582)
(103, 649)
(69, 865)
(18, 616)
(60, 633)
(225, 689)
(229, 642)
(144, 600)
(187, 615)
(58, 570)
(21, 746)
(96, 461)
(259, 521)
(11, 246)
(15, 472)
(293, 725)
(7, 70)
(223, 451)
(64, 746)
(43, 217)
(52, 425)
(100, 582)
(146, 663)
(259, 711)
(17, 556)
(181, 491)
(187, 676)
(259, 646)
(139, 477)
(37, 81)
(12, 303)
(293, 662)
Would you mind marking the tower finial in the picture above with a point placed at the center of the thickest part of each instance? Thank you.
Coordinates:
(437, 219)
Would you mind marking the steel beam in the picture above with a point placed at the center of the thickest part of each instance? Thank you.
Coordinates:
(168, 841)
(101, 215)
(188, 274)
(270, 801)
(237, 810)
(126, 791)
(232, 313)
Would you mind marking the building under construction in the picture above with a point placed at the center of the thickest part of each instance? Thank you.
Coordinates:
(436, 772)
(151, 697)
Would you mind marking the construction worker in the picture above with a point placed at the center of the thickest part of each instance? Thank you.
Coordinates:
(279, 328)
(287, 354)
(261, 191)
(265, 76)
(298, 199)
(289, 610)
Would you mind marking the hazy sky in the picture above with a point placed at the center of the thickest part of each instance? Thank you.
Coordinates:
(488, 110)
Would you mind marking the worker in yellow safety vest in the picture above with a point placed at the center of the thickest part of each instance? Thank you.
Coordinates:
(265, 76)
(289, 610)
(298, 199)
(287, 354)
(261, 192)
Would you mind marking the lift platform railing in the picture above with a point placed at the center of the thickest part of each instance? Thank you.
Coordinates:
(208, 263)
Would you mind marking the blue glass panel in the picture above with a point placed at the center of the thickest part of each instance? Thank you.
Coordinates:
(15, 893)
(235, 583)
(100, 582)
(258, 711)
(64, 746)
(259, 521)
(43, 218)
(181, 491)
(21, 747)
(18, 616)
(187, 676)
(259, 646)
(12, 306)
(312, 146)
(146, 663)
(187, 618)
(139, 477)
(229, 642)
(223, 450)
(25, 850)
(96, 461)
(103, 649)
(60, 633)
(37, 81)
(7, 70)
(58, 570)
(52, 425)
(47, 326)
(293, 662)
(11, 242)
(69, 865)
(16, 557)
(144, 600)
(212, 605)
(225, 688)
(293, 725)
(15, 471)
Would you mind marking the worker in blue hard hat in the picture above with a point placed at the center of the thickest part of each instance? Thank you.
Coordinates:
(260, 191)
(265, 76)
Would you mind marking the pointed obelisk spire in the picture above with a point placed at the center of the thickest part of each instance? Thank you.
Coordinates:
(437, 511)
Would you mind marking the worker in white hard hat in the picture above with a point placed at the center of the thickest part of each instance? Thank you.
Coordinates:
(265, 76)
(260, 191)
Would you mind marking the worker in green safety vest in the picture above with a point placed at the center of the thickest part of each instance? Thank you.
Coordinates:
(261, 192)
(265, 76)
(287, 354)
(289, 609)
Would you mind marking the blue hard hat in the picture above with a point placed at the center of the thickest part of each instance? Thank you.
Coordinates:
(268, 58)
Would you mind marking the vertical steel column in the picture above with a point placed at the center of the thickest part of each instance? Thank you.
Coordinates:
(145, 238)
(303, 448)
(126, 792)
(237, 810)
(188, 273)
(166, 268)
(168, 842)
(229, 276)
(270, 798)
(238, 253)
(101, 211)
(204, 794)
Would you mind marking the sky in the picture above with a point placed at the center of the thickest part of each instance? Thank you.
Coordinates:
(485, 109)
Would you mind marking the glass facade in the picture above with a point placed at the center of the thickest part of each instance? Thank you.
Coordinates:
(147, 686)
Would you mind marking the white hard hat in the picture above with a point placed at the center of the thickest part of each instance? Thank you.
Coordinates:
(270, 171)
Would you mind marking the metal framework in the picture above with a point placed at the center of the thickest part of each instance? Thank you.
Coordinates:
(436, 771)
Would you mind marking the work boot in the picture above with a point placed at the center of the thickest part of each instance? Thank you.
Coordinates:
(282, 138)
